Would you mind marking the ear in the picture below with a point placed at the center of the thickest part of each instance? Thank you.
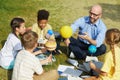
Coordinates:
(100, 15)
(36, 44)
(17, 29)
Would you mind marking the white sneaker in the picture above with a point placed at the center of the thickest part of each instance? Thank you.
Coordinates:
(72, 55)
(73, 62)
(91, 58)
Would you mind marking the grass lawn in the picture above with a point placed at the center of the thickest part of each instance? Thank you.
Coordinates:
(62, 12)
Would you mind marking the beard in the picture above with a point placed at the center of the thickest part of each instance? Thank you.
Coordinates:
(93, 20)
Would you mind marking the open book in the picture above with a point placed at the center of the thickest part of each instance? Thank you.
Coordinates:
(64, 70)
(73, 72)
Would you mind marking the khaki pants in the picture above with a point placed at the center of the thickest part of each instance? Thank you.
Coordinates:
(50, 75)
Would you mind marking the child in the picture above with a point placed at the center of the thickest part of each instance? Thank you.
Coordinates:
(12, 44)
(42, 28)
(111, 66)
(27, 63)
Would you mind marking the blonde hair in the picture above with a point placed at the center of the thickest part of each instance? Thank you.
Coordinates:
(29, 39)
(112, 38)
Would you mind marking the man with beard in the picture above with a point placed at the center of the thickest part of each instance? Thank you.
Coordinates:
(91, 32)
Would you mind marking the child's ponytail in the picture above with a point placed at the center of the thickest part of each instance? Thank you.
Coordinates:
(112, 38)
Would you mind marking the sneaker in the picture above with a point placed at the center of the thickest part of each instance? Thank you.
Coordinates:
(72, 55)
(57, 52)
(91, 58)
(53, 58)
(73, 62)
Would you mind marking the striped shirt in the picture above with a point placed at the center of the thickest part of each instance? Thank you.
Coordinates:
(26, 65)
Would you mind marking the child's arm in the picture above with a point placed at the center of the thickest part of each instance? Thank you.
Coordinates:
(37, 52)
(40, 51)
(49, 59)
(103, 73)
(28, 28)
(92, 66)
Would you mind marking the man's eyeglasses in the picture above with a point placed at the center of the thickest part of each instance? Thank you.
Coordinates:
(95, 15)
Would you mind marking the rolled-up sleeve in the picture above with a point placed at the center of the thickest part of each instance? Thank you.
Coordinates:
(77, 24)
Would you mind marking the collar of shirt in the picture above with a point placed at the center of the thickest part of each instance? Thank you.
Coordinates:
(28, 53)
(87, 20)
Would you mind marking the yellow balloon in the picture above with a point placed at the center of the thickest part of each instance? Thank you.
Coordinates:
(66, 31)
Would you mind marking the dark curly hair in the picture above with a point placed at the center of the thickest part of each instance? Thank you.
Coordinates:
(42, 15)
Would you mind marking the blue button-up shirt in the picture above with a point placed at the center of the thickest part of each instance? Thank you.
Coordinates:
(96, 31)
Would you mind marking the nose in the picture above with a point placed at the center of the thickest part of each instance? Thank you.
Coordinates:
(43, 25)
(91, 15)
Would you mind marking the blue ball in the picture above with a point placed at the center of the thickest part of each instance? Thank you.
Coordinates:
(50, 32)
(92, 49)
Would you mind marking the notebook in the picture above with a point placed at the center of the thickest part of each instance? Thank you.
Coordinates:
(72, 72)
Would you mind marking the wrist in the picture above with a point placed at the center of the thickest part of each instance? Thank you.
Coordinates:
(40, 51)
(47, 61)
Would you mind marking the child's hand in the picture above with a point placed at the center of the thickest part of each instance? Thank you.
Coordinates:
(67, 42)
(46, 61)
(92, 65)
(40, 51)
(37, 52)
(43, 50)
(49, 59)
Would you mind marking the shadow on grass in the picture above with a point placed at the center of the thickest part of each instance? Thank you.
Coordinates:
(9, 74)
(3, 42)
(110, 11)
(5, 74)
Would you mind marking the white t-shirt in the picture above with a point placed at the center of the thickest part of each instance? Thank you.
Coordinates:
(26, 64)
(10, 50)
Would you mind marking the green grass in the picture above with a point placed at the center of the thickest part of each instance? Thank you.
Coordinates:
(62, 12)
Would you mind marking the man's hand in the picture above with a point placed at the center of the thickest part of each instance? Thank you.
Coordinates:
(85, 36)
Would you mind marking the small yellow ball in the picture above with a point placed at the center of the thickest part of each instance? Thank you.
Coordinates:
(66, 31)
